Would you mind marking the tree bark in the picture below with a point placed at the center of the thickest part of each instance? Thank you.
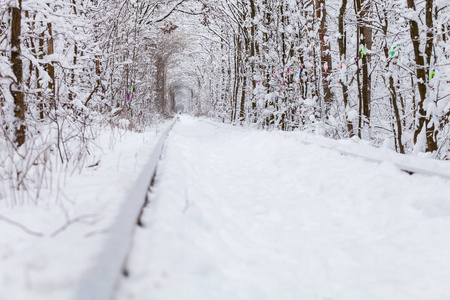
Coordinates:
(253, 45)
(38, 83)
(325, 56)
(75, 54)
(342, 40)
(243, 72)
(16, 87)
(365, 43)
(392, 89)
(50, 68)
(421, 73)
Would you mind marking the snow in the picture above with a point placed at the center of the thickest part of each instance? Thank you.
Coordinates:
(74, 223)
(309, 102)
(352, 115)
(244, 214)
(235, 213)
(98, 282)
(361, 148)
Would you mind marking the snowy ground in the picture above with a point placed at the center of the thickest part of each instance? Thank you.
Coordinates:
(73, 224)
(244, 214)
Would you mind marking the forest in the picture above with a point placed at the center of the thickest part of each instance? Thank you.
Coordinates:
(191, 149)
(373, 70)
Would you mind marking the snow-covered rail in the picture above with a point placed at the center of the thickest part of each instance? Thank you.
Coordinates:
(233, 205)
(408, 164)
(400, 162)
(100, 280)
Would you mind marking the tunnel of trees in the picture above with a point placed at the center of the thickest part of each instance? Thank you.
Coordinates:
(376, 70)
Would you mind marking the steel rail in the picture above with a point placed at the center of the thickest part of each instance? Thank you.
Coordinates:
(99, 282)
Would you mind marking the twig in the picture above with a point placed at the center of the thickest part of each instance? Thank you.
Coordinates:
(94, 165)
(70, 222)
(23, 227)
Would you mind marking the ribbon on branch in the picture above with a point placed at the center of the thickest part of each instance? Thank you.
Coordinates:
(363, 51)
(393, 50)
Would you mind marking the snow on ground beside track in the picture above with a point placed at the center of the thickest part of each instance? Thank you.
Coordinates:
(244, 214)
(425, 165)
(34, 268)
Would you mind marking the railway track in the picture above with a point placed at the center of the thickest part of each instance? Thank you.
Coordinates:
(101, 280)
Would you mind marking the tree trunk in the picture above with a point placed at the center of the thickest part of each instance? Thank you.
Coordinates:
(161, 84)
(38, 84)
(367, 42)
(72, 75)
(237, 58)
(325, 58)
(392, 89)
(342, 40)
(50, 67)
(17, 67)
(364, 44)
(421, 73)
(75, 54)
(253, 42)
(243, 71)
